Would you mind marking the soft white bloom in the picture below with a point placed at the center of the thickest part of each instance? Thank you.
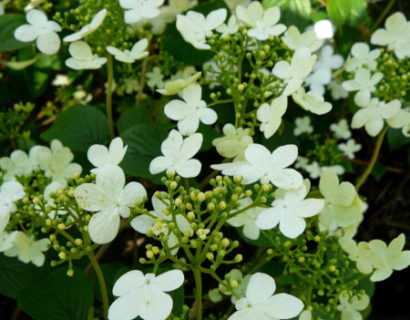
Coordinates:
(234, 141)
(110, 198)
(341, 129)
(313, 169)
(195, 28)
(395, 36)
(349, 148)
(318, 80)
(100, 156)
(302, 125)
(296, 40)
(177, 155)
(324, 29)
(260, 302)
(89, 28)
(42, 30)
(27, 249)
(350, 306)
(83, 58)
(362, 57)
(6, 240)
(400, 120)
(336, 90)
(372, 114)
(364, 83)
(230, 28)
(137, 52)
(261, 164)
(289, 210)
(264, 24)
(176, 85)
(247, 219)
(61, 80)
(137, 10)
(311, 101)
(155, 78)
(55, 161)
(294, 74)
(32, 4)
(270, 116)
(19, 164)
(10, 192)
(190, 112)
(232, 4)
(144, 295)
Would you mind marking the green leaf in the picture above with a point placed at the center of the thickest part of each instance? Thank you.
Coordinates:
(133, 116)
(112, 272)
(396, 139)
(209, 134)
(58, 297)
(9, 23)
(293, 12)
(351, 11)
(79, 127)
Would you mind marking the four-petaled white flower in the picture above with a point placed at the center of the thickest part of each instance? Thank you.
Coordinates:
(137, 52)
(341, 129)
(144, 295)
(264, 24)
(311, 101)
(234, 141)
(270, 116)
(10, 192)
(263, 165)
(89, 28)
(42, 30)
(289, 210)
(110, 198)
(195, 28)
(19, 164)
(350, 306)
(349, 148)
(294, 74)
(329, 60)
(302, 125)
(260, 302)
(137, 10)
(100, 156)
(177, 155)
(191, 111)
(296, 40)
(362, 57)
(83, 58)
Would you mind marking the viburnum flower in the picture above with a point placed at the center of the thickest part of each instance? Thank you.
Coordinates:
(263, 165)
(350, 307)
(144, 295)
(89, 28)
(362, 57)
(19, 164)
(195, 28)
(294, 74)
(111, 199)
(336, 90)
(264, 24)
(137, 52)
(175, 86)
(311, 101)
(329, 60)
(296, 40)
(82, 57)
(324, 29)
(349, 148)
(231, 27)
(395, 35)
(10, 192)
(260, 303)
(53, 188)
(177, 155)
(341, 129)
(270, 116)
(6, 240)
(289, 210)
(302, 125)
(401, 119)
(100, 156)
(155, 78)
(234, 141)
(42, 30)
(137, 10)
(191, 111)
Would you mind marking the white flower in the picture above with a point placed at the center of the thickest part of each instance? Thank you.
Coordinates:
(42, 30)
(10, 192)
(350, 307)
(176, 85)
(349, 148)
(302, 125)
(32, 4)
(263, 165)
(395, 36)
(270, 116)
(19, 164)
(137, 52)
(27, 249)
(329, 60)
(260, 303)
(89, 28)
(318, 80)
(263, 23)
(336, 90)
(324, 29)
(191, 111)
(294, 74)
(362, 57)
(137, 10)
(144, 295)
(289, 210)
(232, 4)
(295, 40)
(83, 58)
(6, 240)
(311, 101)
(234, 141)
(364, 83)
(100, 156)
(313, 169)
(247, 219)
(155, 78)
(231, 27)
(110, 198)
(341, 129)
(373, 113)
(400, 120)
(178, 155)
(52, 188)
(61, 80)
(195, 28)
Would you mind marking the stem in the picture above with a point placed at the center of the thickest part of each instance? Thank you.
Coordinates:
(384, 14)
(101, 282)
(108, 103)
(198, 292)
(142, 84)
(372, 161)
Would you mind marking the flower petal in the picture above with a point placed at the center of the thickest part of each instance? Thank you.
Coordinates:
(260, 287)
(169, 280)
(104, 226)
(284, 306)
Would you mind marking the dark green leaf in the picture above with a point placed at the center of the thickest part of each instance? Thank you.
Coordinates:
(293, 12)
(341, 11)
(209, 134)
(9, 23)
(112, 272)
(133, 116)
(396, 139)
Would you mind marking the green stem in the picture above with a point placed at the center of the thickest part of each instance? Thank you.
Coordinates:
(373, 160)
(108, 103)
(198, 292)
(384, 14)
(101, 282)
